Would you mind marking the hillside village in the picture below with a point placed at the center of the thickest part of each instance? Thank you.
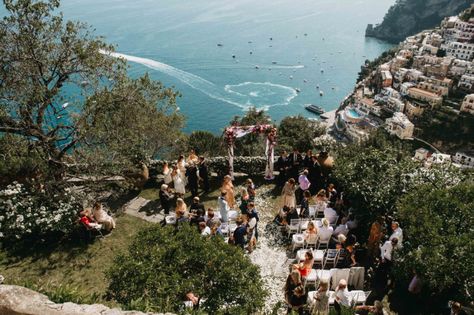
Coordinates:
(429, 72)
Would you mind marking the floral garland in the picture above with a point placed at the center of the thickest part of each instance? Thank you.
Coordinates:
(234, 132)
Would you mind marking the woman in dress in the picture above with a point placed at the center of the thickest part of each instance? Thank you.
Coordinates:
(192, 157)
(228, 187)
(311, 233)
(180, 206)
(167, 174)
(320, 201)
(250, 189)
(101, 216)
(182, 168)
(288, 194)
(244, 201)
(321, 299)
(305, 267)
(292, 282)
(178, 182)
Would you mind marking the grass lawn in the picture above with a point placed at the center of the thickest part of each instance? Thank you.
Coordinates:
(78, 266)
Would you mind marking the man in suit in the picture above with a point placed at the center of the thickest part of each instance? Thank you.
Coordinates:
(295, 160)
(203, 174)
(191, 174)
(314, 176)
(282, 166)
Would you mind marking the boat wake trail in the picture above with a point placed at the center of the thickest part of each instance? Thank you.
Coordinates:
(244, 95)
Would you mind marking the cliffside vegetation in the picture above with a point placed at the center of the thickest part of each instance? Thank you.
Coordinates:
(408, 17)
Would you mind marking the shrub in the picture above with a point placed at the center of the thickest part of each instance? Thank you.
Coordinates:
(298, 132)
(163, 264)
(25, 212)
(205, 143)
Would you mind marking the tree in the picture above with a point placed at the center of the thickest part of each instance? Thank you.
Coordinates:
(163, 264)
(205, 143)
(251, 145)
(298, 132)
(59, 92)
(437, 226)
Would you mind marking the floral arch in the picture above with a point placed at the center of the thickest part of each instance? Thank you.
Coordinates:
(233, 132)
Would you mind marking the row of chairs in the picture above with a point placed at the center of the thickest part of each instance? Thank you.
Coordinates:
(314, 242)
(299, 225)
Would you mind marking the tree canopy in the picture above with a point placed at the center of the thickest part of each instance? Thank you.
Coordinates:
(70, 102)
(164, 264)
(298, 132)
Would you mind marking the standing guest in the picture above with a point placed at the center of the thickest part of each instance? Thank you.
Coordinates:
(165, 198)
(102, 217)
(251, 223)
(342, 296)
(178, 182)
(244, 201)
(181, 164)
(167, 174)
(295, 159)
(204, 174)
(228, 187)
(315, 176)
(321, 299)
(250, 189)
(387, 249)
(304, 210)
(193, 181)
(223, 206)
(298, 300)
(216, 230)
(239, 234)
(375, 236)
(192, 157)
(304, 183)
(292, 214)
(376, 309)
(252, 213)
(288, 194)
(397, 233)
(305, 267)
(330, 214)
(308, 159)
(282, 166)
(292, 282)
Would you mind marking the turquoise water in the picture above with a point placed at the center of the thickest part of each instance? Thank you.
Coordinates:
(353, 113)
(176, 41)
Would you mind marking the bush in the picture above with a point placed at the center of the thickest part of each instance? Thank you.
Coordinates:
(205, 143)
(25, 212)
(298, 132)
(163, 264)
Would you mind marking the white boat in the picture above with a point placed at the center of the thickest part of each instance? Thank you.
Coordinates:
(274, 62)
(291, 77)
(317, 86)
(297, 90)
(304, 80)
(322, 70)
(257, 67)
(321, 93)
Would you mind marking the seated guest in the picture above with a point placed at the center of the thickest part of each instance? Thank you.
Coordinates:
(330, 214)
(211, 218)
(321, 299)
(341, 229)
(88, 220)
(216, 229)
(102, 217)
(331, 193)
(196, 212)
(195, 301)
(397, 232)
(311, 233)
(325, 232)
(351, 222)
(304, 210)
(305, 267)
(342, 297)
(376, 309)
(165, 198)
(292, 214)
(321, 201)
(281, 217)
(180, 206)
(204, 229)
(181, 217)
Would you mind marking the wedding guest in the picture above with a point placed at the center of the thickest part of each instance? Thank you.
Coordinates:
(204, 174)
(342, 297)
(282, 167)
(192, 176)
(315, 176)
(244, 201)
(192, 157)
(304, 210)
(88, 220)
(288, 194)
(102, 217)
(167, 174)
(178, 182)
(165, 198)
(304, 184)
(397, 233)
(321, 299)
(250, 189)
(228, 187)
(295, 159)
(223, 206)
(308, 159)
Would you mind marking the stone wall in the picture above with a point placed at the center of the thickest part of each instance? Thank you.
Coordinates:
(16, 300)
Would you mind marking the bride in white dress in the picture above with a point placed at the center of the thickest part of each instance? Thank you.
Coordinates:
(178, 181)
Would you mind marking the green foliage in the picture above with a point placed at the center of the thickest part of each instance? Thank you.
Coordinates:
(104, 119)
(298, 132)
(163, 264)
(437, 224)
(205, 143)
(251, 145)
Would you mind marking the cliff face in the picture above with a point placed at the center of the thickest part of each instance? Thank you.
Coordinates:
(408, 17)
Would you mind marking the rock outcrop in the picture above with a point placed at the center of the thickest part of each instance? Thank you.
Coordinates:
(16, 300)
(408, 17)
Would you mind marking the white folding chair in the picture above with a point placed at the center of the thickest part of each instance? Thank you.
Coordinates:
(300, 255)
(323, 244)
(304, 224)
(225, 229)
(312, 212)
(318, 256)
(298, 241)
(312, 278)
(294, 226)
(333, 221)
(332, 256)
(359, 297)
(312, 241)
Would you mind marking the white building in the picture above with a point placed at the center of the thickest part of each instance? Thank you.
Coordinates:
(463, 159)
(400, 126)
(464, 51)
(467, 104)
(421, 154)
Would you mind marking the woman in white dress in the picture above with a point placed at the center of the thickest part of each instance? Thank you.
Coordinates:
(288, 194)
(321, 201)
(167, 174)
(182, 168)
(178, 182)
(101, 216)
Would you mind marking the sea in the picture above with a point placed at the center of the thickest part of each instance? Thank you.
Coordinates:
(226, 56)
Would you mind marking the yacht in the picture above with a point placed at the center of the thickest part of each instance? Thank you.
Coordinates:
(297, 90)
(314, 109)
(257, 67)
(321, 93)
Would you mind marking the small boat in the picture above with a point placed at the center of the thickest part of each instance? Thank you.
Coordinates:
(219, 45)
(317, 86)
(250, 42)
(271, 38)
(257, 67)
(233, 56)
(291, 77)
(304, 80)
(322, 70)
(250, 52)
(305, 34)
(314, 108)
(297, 90)
(321, 93)
(274, 62)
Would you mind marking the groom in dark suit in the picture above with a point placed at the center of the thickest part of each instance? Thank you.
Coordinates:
(295, 160)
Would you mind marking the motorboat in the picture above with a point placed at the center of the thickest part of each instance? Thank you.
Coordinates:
(219, 45)
(297, 90)
(257, 67)
(321, 93)
(274, 62)
(314, 109)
